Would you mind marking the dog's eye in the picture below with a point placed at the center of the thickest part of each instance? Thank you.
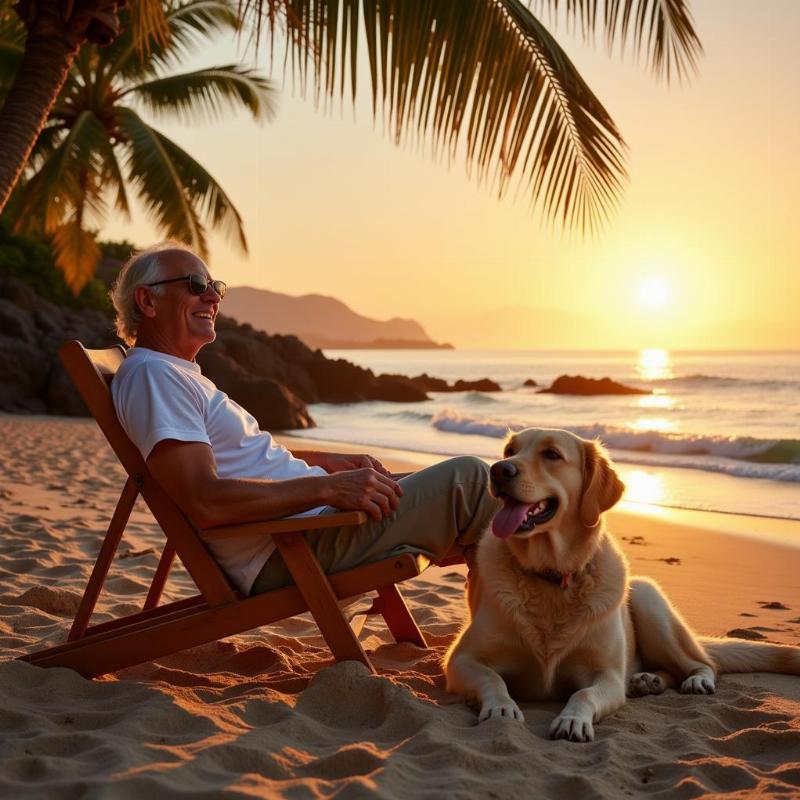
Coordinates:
(552, 455)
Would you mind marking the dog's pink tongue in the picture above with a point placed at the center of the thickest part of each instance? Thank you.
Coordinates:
(509, 518)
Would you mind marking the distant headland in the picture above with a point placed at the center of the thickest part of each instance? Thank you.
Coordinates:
(376, 344)
(323, 322)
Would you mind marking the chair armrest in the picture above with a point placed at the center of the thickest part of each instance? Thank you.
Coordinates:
(286, 525)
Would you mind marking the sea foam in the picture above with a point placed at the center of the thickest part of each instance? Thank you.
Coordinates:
(746, 457)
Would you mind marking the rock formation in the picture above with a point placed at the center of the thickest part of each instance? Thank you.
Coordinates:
(578, 384)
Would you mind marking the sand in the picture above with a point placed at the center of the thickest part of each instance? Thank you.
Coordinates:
(267, 714)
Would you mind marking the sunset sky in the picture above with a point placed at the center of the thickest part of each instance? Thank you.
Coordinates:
(702, 252)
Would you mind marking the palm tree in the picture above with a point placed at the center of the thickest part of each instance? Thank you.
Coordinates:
(56, 31)
(484, 75)
(95, 145)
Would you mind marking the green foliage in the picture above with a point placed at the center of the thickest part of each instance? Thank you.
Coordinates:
(30, 259)
(119, 251)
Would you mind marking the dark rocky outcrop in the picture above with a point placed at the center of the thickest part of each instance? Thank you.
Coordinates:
(578, 384)
(306, 372)
(430, 384)
(272, 376)
(481, 385)
(33, 380)
(530, 382)
(31, 331)
(427, 383)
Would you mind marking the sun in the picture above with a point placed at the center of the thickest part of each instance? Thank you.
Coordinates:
(653, 293)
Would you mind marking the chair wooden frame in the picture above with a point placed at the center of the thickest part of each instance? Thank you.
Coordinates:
(218, 610)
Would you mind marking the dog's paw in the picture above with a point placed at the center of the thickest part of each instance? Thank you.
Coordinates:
(576, 729)
(642, 683)
(698, 684)
(507, 709)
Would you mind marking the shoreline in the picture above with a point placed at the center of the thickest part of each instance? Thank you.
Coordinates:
(778, 530)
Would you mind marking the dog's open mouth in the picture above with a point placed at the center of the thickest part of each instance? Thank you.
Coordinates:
(516, 517)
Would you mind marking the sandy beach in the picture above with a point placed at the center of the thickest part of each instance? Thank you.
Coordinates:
(267, 714)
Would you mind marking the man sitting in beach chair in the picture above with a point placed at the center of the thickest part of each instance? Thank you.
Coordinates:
(210, 455)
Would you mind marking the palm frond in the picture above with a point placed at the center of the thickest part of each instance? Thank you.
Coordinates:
(12, 29)
(48, 141)
(208, 92)
(159, 182)
(76, 253)
(149, 25)
(68, 178)
(10, 59)
(661, 30)
(189, 25)
(111, 177)
(12, 47)
(206, 195)
(486, 80)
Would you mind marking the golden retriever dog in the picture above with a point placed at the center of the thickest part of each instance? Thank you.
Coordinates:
(553, 612)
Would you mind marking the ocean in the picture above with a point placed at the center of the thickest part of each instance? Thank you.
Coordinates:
(720, 430)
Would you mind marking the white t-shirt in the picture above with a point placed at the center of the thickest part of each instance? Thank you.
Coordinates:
(158, 396)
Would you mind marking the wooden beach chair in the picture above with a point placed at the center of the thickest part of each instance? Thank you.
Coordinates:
(218, 610)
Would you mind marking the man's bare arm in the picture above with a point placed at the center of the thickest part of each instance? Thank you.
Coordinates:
(188, 471)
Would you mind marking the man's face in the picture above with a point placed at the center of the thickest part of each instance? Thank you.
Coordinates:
(184, 320)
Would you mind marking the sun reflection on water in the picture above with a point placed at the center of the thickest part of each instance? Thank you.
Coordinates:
(652, 424)
(654, 364)
(656, 401)
(644, 487)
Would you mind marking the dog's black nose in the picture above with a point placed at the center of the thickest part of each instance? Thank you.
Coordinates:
(503, 470)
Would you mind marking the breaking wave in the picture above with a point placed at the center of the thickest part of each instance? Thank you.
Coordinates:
(747, 457)
(701, 380)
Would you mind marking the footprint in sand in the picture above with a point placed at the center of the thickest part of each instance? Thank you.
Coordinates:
(136, 553)
(773, 604)
(745, 633)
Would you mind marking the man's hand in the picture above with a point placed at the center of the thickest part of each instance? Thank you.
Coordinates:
(342, 462)
(364, 489)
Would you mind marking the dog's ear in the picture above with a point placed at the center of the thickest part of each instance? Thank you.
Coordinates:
(602, 487)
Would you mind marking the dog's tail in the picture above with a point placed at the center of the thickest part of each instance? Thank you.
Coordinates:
(734, 655)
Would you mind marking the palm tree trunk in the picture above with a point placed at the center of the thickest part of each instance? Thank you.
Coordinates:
(41, 75)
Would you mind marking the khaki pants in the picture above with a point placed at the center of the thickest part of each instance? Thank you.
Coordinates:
(443, 504)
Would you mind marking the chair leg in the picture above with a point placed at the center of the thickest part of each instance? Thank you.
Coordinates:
(107, 551)
(320, 599)
(398, 618)
(160, 578)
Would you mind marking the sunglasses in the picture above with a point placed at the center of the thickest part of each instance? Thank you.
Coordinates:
(198, 284)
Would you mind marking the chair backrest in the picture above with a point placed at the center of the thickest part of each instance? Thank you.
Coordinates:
(92, 372)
